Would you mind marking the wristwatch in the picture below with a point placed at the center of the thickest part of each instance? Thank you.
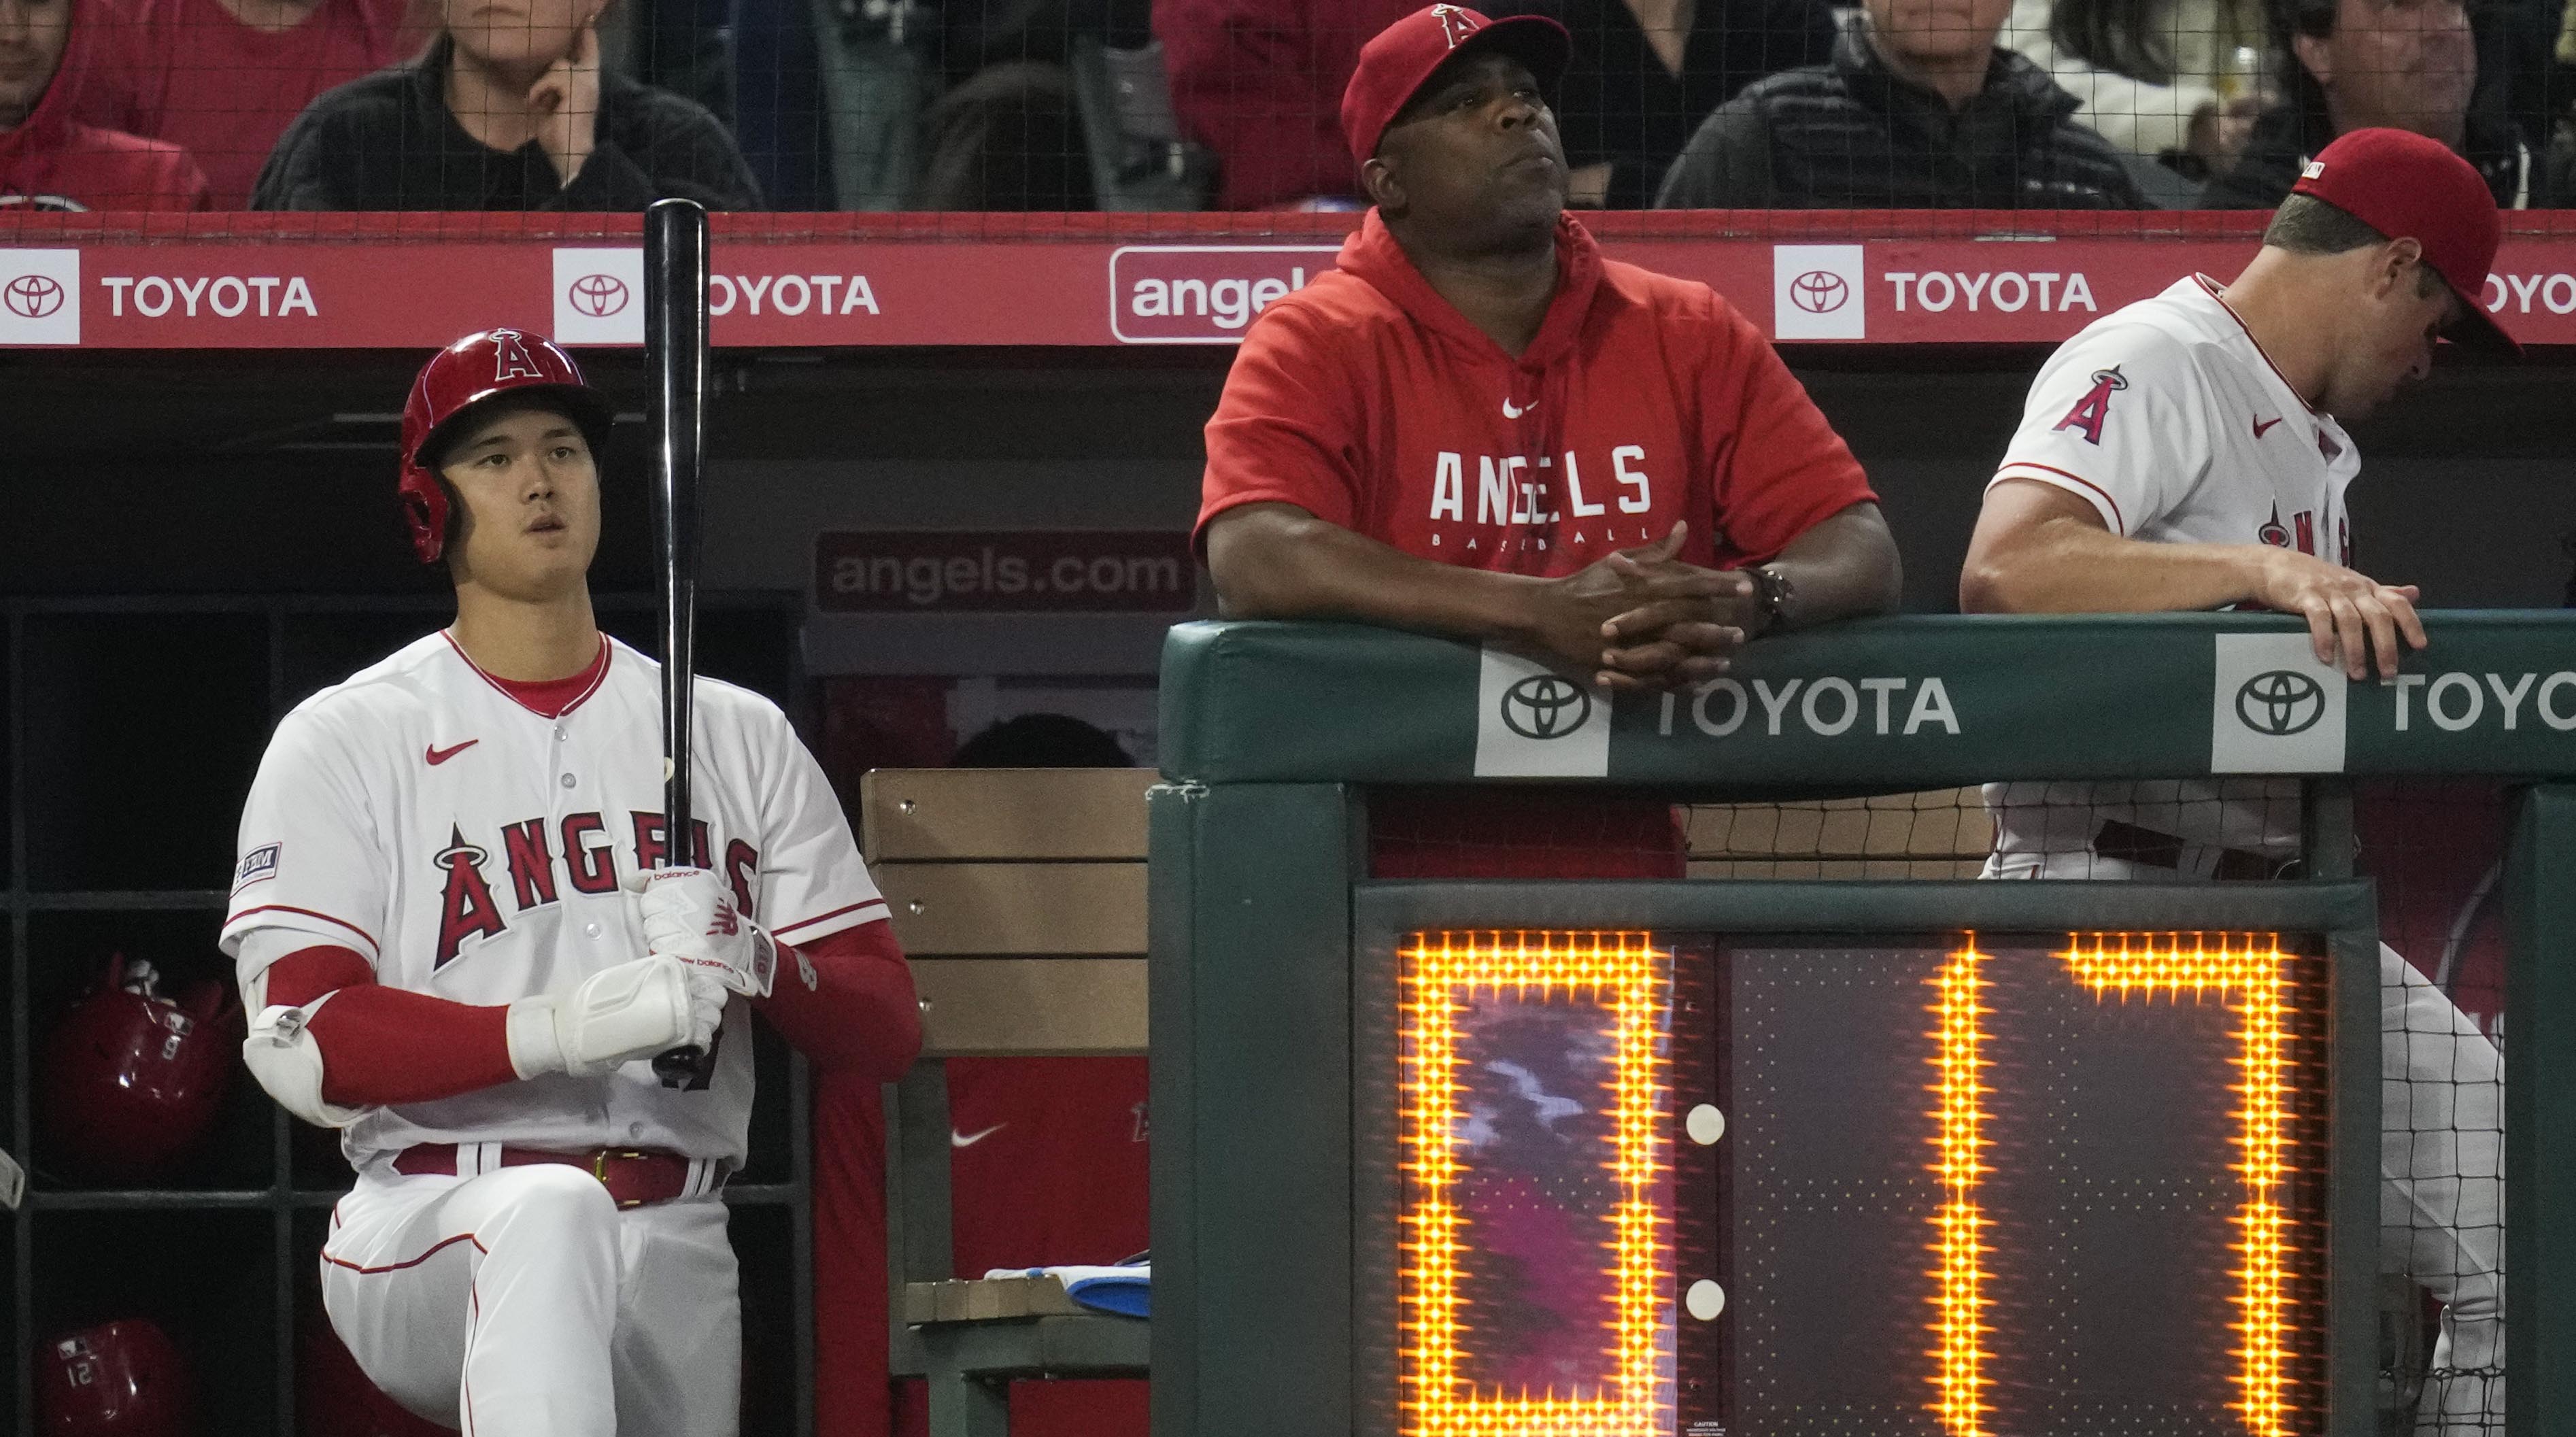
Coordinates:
(1772, 593)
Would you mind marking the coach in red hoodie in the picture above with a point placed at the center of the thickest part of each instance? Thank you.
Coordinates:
(50, 161)
(1478, 426)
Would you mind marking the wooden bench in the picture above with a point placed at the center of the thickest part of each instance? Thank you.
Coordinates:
(1019, 895)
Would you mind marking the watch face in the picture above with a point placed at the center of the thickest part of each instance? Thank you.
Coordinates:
(1774, 587)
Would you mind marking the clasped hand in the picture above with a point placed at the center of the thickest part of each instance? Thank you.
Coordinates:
(1641, 618)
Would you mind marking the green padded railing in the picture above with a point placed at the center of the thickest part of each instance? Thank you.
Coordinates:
(1915, 702)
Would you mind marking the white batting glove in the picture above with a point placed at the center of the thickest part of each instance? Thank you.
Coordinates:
(689, 914)
(633, 1010)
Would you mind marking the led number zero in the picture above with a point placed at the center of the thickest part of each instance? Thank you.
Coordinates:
(1625, 974)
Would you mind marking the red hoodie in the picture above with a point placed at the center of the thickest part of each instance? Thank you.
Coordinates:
(1260, 82)
(186, 71)
(54, 162)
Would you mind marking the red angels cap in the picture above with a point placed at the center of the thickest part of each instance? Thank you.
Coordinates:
(1394, 65)
(2409, 187)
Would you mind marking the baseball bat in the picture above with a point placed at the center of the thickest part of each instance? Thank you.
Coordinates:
(675, 350)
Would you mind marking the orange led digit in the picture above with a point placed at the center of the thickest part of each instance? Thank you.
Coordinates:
(1958, 1247)
(1625, 974)
(2247, 971)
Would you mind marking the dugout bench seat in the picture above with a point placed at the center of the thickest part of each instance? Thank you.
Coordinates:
(1019, 896)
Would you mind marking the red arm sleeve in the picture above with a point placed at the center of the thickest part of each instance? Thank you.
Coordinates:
(846, 1002)
(1283, 431)
(1777, 467)
(383, 1045)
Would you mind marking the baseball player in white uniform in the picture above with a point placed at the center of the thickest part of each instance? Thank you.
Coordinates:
(2187, 452)
(443, 920)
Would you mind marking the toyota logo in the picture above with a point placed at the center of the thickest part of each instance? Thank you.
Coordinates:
(598, 295)
(1819, 291)
(32, 296)
(2280, 703)
(1545, 706)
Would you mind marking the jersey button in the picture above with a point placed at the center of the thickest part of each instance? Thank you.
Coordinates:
(560, 733)
(567, 780)
(591, 928)
(634, 1131)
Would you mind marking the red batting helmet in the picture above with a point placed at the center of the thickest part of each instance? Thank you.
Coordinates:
(456, 379)
(121, 1379)
(132, 1080)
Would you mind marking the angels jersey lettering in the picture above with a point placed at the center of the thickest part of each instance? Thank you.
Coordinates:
(1368, 401)
(473, 849)
(2170, 421)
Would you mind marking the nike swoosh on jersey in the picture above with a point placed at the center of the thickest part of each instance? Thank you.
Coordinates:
(2262, 424)
(1511, 411)
(957, 1139)
(437, 755)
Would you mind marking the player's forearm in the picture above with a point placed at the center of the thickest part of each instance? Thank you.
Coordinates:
(1845, 567)
(2064, 567)
(846, 1001)
(383, 1046)
(1276, 561)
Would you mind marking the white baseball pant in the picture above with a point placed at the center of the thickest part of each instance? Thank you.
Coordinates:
(523, 1303)
(2441, 1164)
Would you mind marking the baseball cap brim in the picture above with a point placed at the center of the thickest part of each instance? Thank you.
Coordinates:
(2476, 329)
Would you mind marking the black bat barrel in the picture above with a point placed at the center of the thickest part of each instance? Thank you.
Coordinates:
(675, 350)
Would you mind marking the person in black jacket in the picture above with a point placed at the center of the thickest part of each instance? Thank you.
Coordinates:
(2398, 64)
(1645, 73)
(507, 110)
(1917, 109)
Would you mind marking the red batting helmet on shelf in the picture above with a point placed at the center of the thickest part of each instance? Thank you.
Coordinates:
(131, 1080)
(474, 369)
(119, 1379)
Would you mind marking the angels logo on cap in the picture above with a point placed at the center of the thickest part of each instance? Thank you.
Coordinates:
(1457, 24)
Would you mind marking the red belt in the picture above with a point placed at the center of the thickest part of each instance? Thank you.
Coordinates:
(633, 1176)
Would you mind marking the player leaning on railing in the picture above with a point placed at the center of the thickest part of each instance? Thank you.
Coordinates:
(2188, 452)
(442, 919)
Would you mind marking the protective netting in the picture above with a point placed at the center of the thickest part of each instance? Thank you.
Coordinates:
(975, 106)
(2432, 848)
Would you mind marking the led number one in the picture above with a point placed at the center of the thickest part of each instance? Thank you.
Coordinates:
(2247, 971)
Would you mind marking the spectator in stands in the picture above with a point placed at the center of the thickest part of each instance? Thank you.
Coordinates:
(1260, 83)
(50, 161)
(2399, 64)
(2165, 79)
(1647, 72)
(222, 78)
(1916, 109)
(508, 110)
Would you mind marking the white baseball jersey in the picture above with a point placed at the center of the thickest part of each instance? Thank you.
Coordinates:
(471, 848)
(2173, 424)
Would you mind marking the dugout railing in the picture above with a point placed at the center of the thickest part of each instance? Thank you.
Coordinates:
(1335, 1056)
